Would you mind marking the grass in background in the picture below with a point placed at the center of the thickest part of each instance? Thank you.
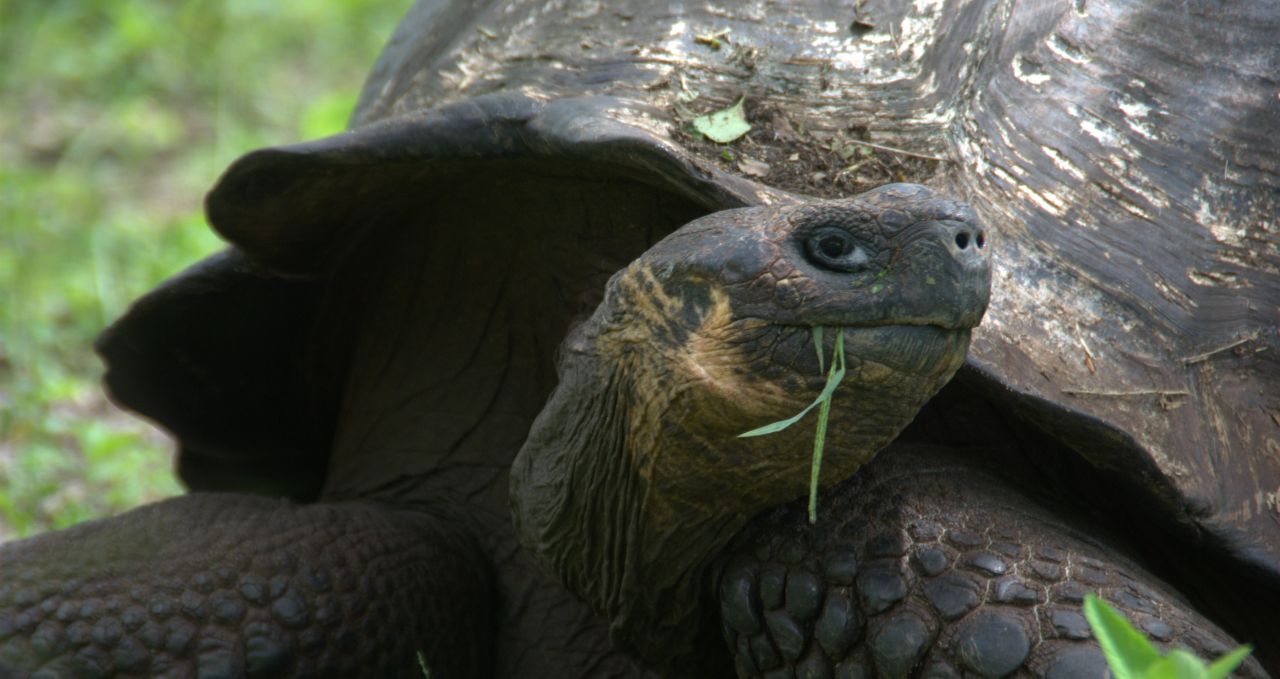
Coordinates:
(115, 118)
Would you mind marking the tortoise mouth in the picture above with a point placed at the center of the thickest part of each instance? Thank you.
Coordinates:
(919, 349)
(946, 323)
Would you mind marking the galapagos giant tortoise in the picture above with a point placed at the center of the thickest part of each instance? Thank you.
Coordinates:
(394, 465)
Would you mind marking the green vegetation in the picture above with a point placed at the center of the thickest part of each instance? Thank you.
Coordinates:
(115, 117)
(1132, 656)
(725, 125)
(835, 375)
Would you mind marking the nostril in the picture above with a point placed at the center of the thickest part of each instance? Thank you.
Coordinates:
(981, 240)
(962, 240)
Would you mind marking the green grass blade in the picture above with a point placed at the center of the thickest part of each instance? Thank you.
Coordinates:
(1128, 652)
(833, 381)
(839, 350)
(819, 441)
(834, 377)
(824, 412)
(1225, 665)
(774, 427)
(817, 345)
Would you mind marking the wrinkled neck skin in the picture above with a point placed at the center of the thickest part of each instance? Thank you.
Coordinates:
(613, 514)
(633, 477)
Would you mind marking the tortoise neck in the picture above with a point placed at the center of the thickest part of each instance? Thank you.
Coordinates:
(581, 479)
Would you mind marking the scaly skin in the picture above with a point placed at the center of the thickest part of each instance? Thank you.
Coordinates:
(634, 475)
(925, 566)
(221, 585)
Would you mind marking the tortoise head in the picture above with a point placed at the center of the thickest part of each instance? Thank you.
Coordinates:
(634, 475)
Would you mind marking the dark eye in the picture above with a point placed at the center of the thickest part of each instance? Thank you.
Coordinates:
(834, 246)
(836, 249)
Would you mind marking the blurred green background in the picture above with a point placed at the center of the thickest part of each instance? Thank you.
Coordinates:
(115, 117)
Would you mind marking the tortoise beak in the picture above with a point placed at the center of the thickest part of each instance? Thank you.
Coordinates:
(967, 269)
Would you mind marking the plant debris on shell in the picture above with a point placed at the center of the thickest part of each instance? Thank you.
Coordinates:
(799, 157)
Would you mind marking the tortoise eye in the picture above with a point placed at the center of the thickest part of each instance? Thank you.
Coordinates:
(835, 249)
(834, 246)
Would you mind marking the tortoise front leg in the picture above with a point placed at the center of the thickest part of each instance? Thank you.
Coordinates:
(924, 566)
(226, 585)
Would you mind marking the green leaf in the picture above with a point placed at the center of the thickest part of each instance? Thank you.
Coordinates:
(1178, 664)
(1226, 664)
(725, 125)
(1128, 652)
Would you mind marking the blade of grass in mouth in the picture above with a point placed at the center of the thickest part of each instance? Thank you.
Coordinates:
(834, 376)
(817, 346)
